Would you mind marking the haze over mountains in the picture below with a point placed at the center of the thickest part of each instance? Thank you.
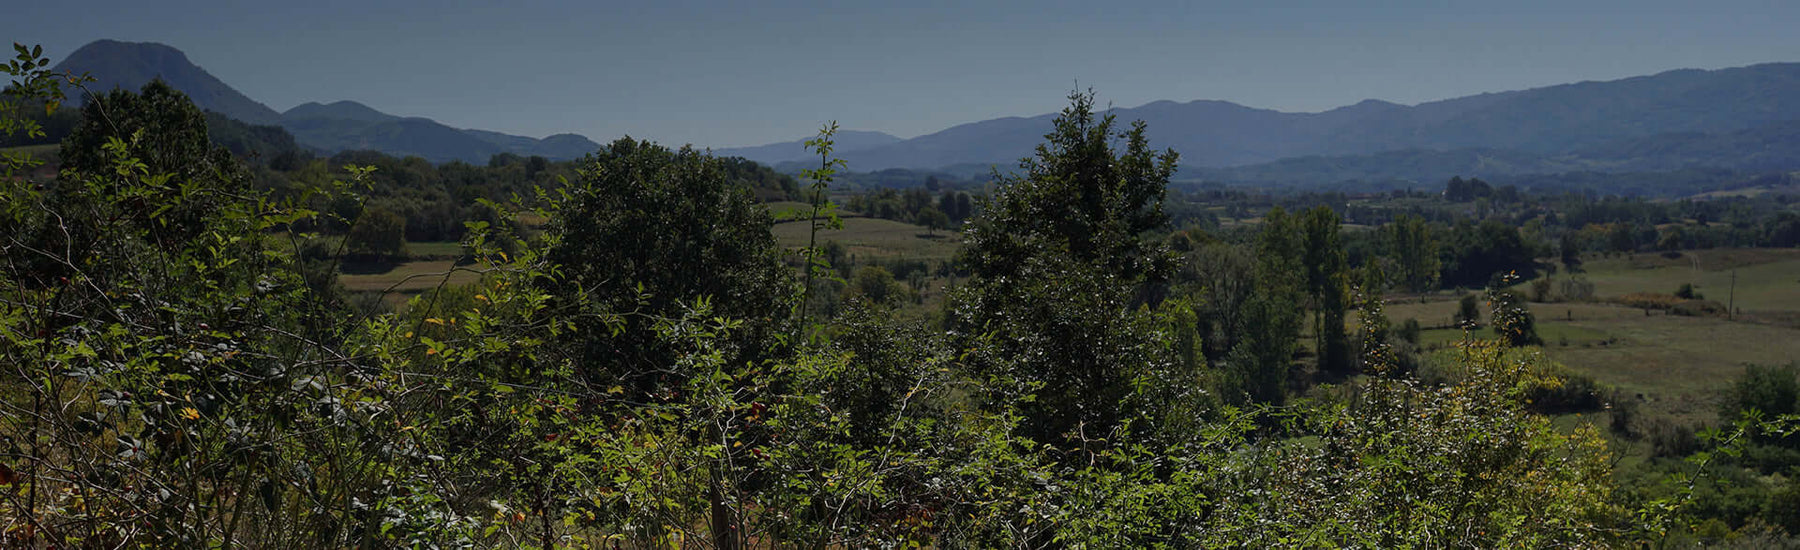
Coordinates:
(333, 127)
(1744, 118)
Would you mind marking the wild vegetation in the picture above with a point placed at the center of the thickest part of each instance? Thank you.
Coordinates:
(631, 350)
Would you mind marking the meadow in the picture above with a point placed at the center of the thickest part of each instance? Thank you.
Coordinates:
(874, 239)
(1675, 366)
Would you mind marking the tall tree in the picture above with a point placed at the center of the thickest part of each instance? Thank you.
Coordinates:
(1057, 262)
(1261, 359)
(1414, 250)
(1327, 287)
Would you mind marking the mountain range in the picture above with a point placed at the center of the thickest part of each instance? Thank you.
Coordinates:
(1745, 118)
(329, 128)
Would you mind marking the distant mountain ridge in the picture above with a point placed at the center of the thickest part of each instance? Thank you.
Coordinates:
(795, 151)
(1579, 119)
(346, 125)
(1745, 118)
(338, 126)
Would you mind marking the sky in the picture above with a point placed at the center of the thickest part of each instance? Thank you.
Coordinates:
(733, 73)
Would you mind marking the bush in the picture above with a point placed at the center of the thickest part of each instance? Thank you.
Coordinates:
(1468, 314)
(1409, 331)
(1540, 290)
(1624, 411)
(1576, 394)
(1576, 290)
(1770, 391)
(1671, 439)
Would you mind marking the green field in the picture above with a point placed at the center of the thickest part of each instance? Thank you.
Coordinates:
(408, 278)
(1768, 280)
(1675, 365)
(434, 250)
(873, 238)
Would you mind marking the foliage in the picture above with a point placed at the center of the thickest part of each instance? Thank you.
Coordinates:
(646, 228)
(875, 284)
(378, 235)
(1478, 252)
(178, 142)
(822, 215)
(1468, 315)
(1260, 362)
(1767, 390)
(1511, 319)
(1327, 287)
(1057, 261)
(1415, 252)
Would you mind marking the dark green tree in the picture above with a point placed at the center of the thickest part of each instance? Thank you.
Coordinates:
(1570, 249)
(1327, 287)
(164, 131)
(174, 137)
(1770, 390)
(1057, 262)
(379, 235)
(1272, 319)
(933, 219)
(1414, 249)
(875, 284)
(1478, 252)
(652, 230)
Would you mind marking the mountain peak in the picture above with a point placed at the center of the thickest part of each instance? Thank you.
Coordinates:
(156, 53)
(131, 65)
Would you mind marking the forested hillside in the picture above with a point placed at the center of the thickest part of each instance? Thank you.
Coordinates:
(627, 350)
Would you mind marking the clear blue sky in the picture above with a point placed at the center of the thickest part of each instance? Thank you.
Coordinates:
(742, 73)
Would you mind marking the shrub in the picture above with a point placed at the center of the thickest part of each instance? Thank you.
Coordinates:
(1576, 290)
(1409, 331)
(1468, 314)
(1540, 290)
